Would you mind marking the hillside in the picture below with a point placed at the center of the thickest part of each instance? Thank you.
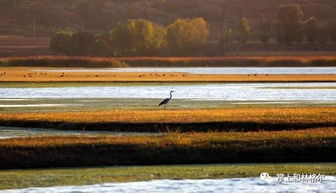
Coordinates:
(102, 15)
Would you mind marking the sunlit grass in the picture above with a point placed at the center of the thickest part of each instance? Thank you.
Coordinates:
(260, 115)
(29, 75)
(314, 145)
(176, 139)
(84, 176)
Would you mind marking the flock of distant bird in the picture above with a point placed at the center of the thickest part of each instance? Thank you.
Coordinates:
(256, 74)
(34, 73)
(30, 75)
(159, 75)
(141, 75)
(164, 102)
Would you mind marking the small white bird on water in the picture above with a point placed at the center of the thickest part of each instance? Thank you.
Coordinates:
(166, 101)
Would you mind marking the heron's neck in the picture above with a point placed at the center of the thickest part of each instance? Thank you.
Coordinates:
(171, 95)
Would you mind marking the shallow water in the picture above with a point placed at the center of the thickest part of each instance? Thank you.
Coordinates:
(34, 105)
(214, 70)
(244, 185)
(14, 132)
(224, 92)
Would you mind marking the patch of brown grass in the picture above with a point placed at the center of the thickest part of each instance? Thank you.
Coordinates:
(26, 74)
(259, 115)
(181, 139)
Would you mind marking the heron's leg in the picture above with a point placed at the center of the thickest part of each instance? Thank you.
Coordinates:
(164, 108)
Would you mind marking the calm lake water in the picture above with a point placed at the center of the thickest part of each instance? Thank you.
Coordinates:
(241, 185)
(214, 70)
(226, 92)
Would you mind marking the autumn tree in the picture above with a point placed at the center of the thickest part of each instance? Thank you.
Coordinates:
(82, 43)
(187, 36)
(137, 37)
(61, 42)
(102, 45)
(289, 27)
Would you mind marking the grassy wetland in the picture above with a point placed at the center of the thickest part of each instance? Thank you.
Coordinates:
(243, 138)
(10, 75)
(21, 69)
(157, 93)
(312, 145)
(299, 134)
(230, 119)
(96, 175)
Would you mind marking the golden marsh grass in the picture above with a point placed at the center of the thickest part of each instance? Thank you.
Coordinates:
(262, 115)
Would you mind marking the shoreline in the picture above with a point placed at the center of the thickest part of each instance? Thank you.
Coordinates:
(14, 75)
(14, 179)
(228, 61)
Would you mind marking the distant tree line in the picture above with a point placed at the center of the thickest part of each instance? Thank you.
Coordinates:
(136, 38)
(185, 37)
(287, 28)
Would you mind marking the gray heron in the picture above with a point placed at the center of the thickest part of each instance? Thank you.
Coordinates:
(166, 101)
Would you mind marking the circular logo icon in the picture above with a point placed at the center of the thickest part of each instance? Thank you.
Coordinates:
(266, 177)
